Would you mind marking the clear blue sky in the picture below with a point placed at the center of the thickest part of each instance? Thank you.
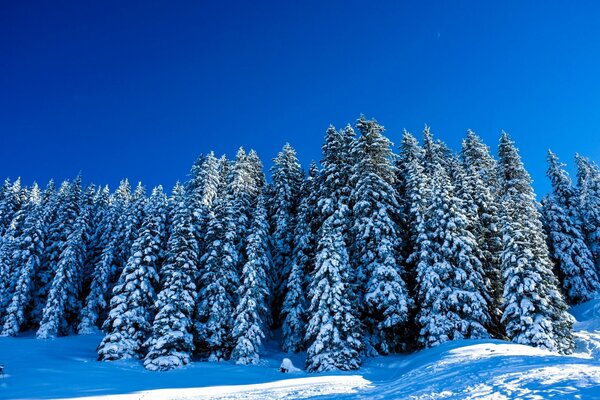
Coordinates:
(138, 89)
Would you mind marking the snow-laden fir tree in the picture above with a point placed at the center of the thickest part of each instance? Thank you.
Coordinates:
(573, 260)
(51, 201)
(63, 304)
(588, 178)
(450, 284)
(121, 223)
(479, 189)
(171, 343)
(413, 189)
(252, 316)
(10, 201)
(202, 190)
(129, 321)
(219, 281)
(28, 250)
(221, 265)
(376, 243)
(333, 331)
(534, 310)
(293, 312)
(335, 188)
(287, 180)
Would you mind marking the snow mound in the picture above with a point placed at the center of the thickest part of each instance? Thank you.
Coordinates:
(300, 388)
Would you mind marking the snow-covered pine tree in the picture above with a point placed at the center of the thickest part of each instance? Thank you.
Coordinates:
(413, 189)
(202, 190)
(450, 283)
(129, 321)
(10, 201)
(588, 179)
(63, 304)
(121, 223)
(219, 281)
(573, 260)
(287, 180)
(376, 243)
(333, 331)
(294, 308)
(171, 343)
(52, 200)
(252, 316)
(479, 188)
(534, 310)
(28, 249)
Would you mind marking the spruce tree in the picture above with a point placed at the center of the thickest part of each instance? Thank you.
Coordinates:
(333, 330)
(588, 178)
(571, 256)
(294, 308)
(63, 305)
(534, 310)
(28, 250)
(479, 189)
(171, 343)
(219, 281)
(251, 318)
(122, 222)
(450, 284)
(377, 241)
(129, 321)
(287, 181)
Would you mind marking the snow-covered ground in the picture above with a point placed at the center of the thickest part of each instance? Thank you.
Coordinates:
(485, 369)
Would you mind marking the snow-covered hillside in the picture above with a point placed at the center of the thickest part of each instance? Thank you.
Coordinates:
(479, 369)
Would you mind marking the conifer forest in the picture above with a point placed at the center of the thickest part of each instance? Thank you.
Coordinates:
(377, 249)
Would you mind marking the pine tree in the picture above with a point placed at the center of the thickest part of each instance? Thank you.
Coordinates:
(333, 331)
(121, 224)
(28, 249)
(377, 242)
(414, 194)
(287, 181)
(129, 321)
(573, 259)
(171, 343)
(450, 283)
(588, 178)
(294, 308)
(479, 189)
(534, 311)
(219, 281)
(251, 320)
(62, 306)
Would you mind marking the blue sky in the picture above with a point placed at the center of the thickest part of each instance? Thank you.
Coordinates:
(139, 89)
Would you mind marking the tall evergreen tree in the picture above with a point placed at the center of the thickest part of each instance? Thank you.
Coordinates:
(588, 178)
(287, 181)
(251, 318)
(219, 281)
(122, 222)
(171, 343)
(573, 259)
(450, 284)
(63, 304)
(129, 321)
(333, 331)
(28, 250)
(535, 312)
(479, 189)
(377, 242)
(294, 308)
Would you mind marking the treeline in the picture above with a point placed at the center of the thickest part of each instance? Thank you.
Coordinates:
(371, 253)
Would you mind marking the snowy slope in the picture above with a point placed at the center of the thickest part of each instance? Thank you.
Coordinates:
(486, 369)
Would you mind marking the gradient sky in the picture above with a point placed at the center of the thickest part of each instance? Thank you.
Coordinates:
(138, 89)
